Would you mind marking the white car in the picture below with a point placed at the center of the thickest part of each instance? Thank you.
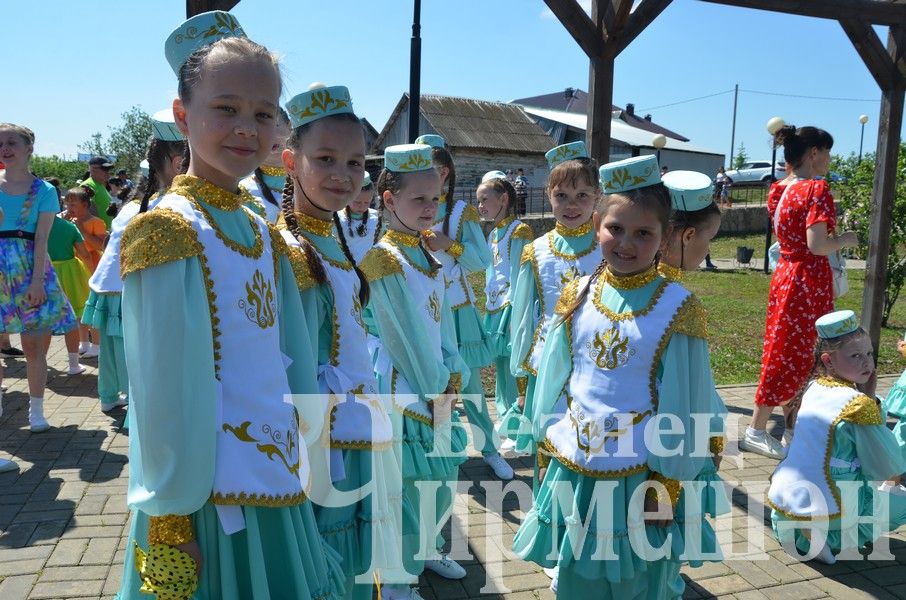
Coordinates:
(756, 171)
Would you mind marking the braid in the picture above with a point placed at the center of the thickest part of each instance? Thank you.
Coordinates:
(265, 189)
(580, 297)
(150, 188)
(377, 228)
(292, 224)
(364, 291)
(449, 211)
(348, 220)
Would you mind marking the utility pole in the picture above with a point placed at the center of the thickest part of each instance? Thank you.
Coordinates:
(733, 134)
(415, 69)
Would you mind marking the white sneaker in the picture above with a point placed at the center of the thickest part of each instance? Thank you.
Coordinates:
(500, 467)
(8, 466)
(826, 556)
(92, 352)
(395, 593)
(787, 439)
(552, 572)
(507, 445)
(108, 407)
(889, 488)
(762, 443)
(77, 369)
(446, 567)
(36, 421)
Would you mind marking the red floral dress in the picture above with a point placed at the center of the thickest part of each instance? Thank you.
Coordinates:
(801, 291)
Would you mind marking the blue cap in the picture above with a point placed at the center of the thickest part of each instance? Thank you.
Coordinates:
(435, 141)
(408, 158)
(163, 126)
(833, 325)
(367, 181)
(318, 102)
(493, 175)
(565, 152)
(629, 174)
(201, 30)
(689, 190)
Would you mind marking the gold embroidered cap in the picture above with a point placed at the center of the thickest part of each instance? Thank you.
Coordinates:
(837, 323)
(408, 158)
(163, 126)
(201, 30)
(318, 102)
(493, 175)
(431, 139)
(629, 174)
(565, 152)
(689, 190)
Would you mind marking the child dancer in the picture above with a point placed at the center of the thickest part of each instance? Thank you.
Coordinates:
(266, 183)
(211, 320)
(325, 158)
(496, 203)
(418, 355)
(68, 255)
(457, 242)
(103, 310)
(842, 424)
(362, 225)
(628, 346)
(550, 262)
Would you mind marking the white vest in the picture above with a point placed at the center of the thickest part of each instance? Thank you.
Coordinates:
(358, 420)
(251, 185)
(459, 292)
(427, 296)
(360, 245)
(260, 460)
(553, 270)
(498, 288)
(106, 278)
(612, 392)
(809, 455)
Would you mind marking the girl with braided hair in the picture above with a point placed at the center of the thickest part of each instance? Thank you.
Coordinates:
(364, 225)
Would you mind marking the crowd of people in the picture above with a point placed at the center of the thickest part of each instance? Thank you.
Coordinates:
(294, 340)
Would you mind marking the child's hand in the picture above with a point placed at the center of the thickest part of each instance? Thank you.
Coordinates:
(901, 347)
(520, 401)
(193, 550)
(868, 388)
(437, 242)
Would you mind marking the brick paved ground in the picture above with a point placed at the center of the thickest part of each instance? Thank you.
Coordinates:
(63, 518)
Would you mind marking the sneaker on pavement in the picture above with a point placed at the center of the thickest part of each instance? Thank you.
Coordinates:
(8, 466)
(826, 556)
(11, 352)
(77, 370)
(91, 352)
(446, 567)
(762, 443)
(500, 467)
(119, 402)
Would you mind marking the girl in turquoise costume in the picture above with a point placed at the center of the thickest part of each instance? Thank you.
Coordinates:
(103, 308)
(363, 225)
(842, 422)
(496, 198)
(418, 362)
(266, 183)
(627, 347)
(325, 159)
(547, 264)
(457, 242)
(32, 303)
(212, 316)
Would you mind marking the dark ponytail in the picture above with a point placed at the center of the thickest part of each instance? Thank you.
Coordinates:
(292, 224)
(265, 189)
(442, 157)
(364, 291)
(796, 142)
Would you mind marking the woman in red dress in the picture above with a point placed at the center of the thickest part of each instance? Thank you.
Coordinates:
(802, 285)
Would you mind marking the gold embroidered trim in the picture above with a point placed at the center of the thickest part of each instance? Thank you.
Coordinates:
(528, 256)
(455, 250)
(190, 186)
(273, 171)
(359, 445)
(573, 231)
(542, 456)
(155, 238)
(861, 410)
(469, 213)
(548, 446)
(212, 307)
(305, 279)
(624, 316)
(455, 382)
(314, 225)
(279, 248)
(523, 232)
(661, 348)
(398, 238)
(716, 445)
(673, 489)
(172, 530)
(256, 207)
(572, 257)
(567, 297)
(335, 334)
(691, 319)
(427, 271)
(629, 282)
(253, 252)
(669, 272)
(835, 382)
(405, 411)
(504, 223)
(379, 263)
(267, 500)
(521, 385)
(343, 264)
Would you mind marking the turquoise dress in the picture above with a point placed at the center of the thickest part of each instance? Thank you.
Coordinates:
(470, 251)
(393, 317)
(526, 314)
(170, 352)
(684, 387)
(895, 404)
(497, 322)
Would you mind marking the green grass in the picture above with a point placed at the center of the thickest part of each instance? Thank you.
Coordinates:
(725, 246)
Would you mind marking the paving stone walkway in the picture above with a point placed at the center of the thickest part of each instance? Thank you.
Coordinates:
(63, 517)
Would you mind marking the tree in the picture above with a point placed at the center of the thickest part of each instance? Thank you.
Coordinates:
(69, 172)
(741, 156)
(127, 141)
(854, 191)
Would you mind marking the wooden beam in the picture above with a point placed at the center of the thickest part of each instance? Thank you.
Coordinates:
(872, 51)
(643, 15)
(877, 13)
(884, 189)
(615, 14)
(577, 24)
(600, 106)
(194, 7)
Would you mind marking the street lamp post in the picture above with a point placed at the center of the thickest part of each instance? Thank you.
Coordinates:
(659, 141)
(774, 125)
(863, 119)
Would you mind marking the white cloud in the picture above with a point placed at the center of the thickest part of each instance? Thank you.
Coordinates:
(585, 4)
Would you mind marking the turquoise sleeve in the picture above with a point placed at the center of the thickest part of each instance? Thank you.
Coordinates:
(556, 366)
(476, 255)
(523, 319)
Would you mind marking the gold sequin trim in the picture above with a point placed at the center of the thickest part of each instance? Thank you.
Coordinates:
(190, 186)
(528, 256)
(521, 385)
(629, 282)
(359, 445)
(455, 250)
(212, 307)
(266, 500)
(406, 412)
(672, 489)
(273, 171)
(379, 263)
(398, 238)
(455, 382)
(548, 447)
(669, 272)
(469, 213)
(523, 232)
(567, 297)
(253, 252)
(572, 257)
(691, 319)
(155, 238)
(835, 382)
(256, 207)
(172, 530)
(427, 271)
(862, 410)
(624, 316)
(661, 348)
(573, 231)
(279, 248)
(716, 445)
(541, 455)
(314, 225)
(304, 278)
(505, 222)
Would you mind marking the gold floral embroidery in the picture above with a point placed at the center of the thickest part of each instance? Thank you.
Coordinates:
(567, 297)
(495, 294)
(225, 24)
(172, 530)
(415, 162)
(157, 237)
(455, 250)
(669, 272)
(563, 153)
(588, 432)
(610, 349)
(716, 445)
(276, 442)
(259, 305)
(579, 231)
(379, 263)
(621, 178)
(629, 282)
(314, 225)
(273, 171)
(433, 307)
(356, 310)
(569, 275)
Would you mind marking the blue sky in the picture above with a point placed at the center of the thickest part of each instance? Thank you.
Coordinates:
(78, 65)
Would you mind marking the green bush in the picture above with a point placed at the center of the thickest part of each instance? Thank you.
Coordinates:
(69, 172)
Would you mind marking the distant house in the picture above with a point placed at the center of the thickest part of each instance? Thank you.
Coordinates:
(371, 134)
(481, 136)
